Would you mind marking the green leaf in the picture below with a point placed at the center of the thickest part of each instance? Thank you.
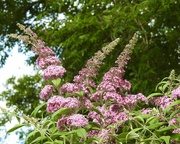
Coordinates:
(165, 129)
(56, 82)
(154, 94)
(59, 112)
(132, 134)
(15, 128)
(80, 93)
(33, 114)
(171, 105)
(81, 133)
(11, 115)
(174, 113)
(152, 120)
(153, 126)
(166, 139)
(58, 142)
(176, 137)
(40, 138)
(31, 134)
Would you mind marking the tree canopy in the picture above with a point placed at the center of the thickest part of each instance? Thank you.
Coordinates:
(76, 29)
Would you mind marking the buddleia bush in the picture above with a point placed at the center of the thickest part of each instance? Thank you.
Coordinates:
(104, 111)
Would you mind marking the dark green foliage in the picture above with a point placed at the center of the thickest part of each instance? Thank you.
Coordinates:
(89, 25)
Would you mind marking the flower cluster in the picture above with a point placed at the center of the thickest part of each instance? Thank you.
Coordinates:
(46, 92)
(106, 103)
(57, 102)
(76, 120)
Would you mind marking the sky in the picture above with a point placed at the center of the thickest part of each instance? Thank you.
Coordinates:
(15, 66)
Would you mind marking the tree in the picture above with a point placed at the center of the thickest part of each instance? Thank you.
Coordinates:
(23, 93)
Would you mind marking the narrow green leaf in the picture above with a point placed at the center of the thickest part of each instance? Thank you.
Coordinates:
(33, 114)
(11, 115)
(132, 134)
(171, 105)
(153, 126)
(154, 95)
(166, 139)
(15, 128)
(174, 113)
(165, 129)
(57, 114)
(31, 134)
(38, 139)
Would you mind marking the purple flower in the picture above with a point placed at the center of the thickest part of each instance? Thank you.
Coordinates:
(176, 131)
(163, 102)
(76, 120)
(70, 88)
(57, 102)
(46, 92)
(113, 96)
(176, 93)
(96, 96)
(146, 111)
(86, 102)
(46, 51)
(53, 72)
(43, 62)
(131, 100)
(172, 122)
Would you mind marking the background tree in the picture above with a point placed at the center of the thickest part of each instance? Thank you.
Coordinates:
(88, 25)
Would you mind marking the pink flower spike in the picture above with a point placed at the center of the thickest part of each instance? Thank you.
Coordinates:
(77, 120)
(57, 102)
(46, 51)
(43, 62)
(176, 93)
(46, 92)
(53, 72)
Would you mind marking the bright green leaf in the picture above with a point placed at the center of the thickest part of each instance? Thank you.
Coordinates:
(15, 128)
(166, 139)
(33, 114)
(81, 133)
(56, 82)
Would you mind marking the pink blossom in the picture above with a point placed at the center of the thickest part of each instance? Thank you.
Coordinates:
(163, 102)
(131, 100)
(70, 87)
(176, 131)
(172, 122)
(96, 96)
(146, 111)
(46, 92)
(43, 62)
(109, 116)
(103, 134)
(106, 86)
(53, 72)
(113, 96)
(46, 51)
(76, 120)
(114, 78)
(176, 93)
(86, 102)
(57, 102)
